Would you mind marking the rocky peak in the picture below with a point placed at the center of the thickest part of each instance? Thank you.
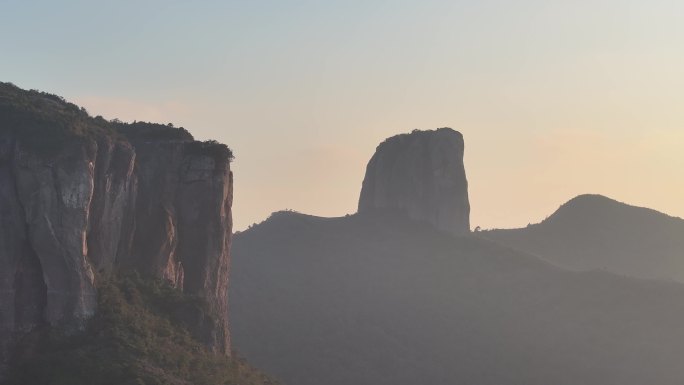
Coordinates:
(421, 174)
(81, 197)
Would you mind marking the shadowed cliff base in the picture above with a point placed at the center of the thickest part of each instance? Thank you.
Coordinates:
(140, 335)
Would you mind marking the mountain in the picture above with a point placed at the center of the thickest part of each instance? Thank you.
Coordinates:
(380, 299)
(84, 201)
(594, 232)
(392, 296)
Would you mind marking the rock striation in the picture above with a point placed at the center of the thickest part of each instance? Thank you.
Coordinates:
(81, 197)
(421, 174)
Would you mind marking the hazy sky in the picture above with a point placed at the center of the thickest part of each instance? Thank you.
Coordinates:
(554, 98)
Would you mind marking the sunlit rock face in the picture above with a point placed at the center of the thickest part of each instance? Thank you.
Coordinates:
(421, 174)
(94, 204)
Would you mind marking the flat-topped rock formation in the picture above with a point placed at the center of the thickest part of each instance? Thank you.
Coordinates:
(421, 174)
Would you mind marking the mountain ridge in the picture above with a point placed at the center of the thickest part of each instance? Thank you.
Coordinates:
(392, 301)
(596, 232)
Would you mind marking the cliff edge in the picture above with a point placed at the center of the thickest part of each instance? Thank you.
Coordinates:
(81, 198)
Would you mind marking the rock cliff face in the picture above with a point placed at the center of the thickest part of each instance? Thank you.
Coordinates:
(421, 174)
(99, 198)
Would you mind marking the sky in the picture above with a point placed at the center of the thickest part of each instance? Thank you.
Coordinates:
(554, 98)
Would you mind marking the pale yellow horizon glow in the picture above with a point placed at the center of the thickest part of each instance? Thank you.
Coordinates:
(554, 98)
(516, 176)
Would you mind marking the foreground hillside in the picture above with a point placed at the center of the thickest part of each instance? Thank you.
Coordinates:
(139, 336)
(376, 299)
(594, 232)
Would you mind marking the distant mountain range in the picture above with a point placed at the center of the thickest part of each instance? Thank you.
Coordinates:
(379, 299)
(592, 232)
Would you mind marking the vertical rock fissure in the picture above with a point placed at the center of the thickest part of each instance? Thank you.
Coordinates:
(29, 286)
(30, 290)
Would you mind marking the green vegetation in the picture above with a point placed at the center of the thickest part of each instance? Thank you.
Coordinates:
(144, 131)
(135, 338)
(218, 151)
(47, 123)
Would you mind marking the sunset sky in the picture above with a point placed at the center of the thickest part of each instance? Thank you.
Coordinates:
(554, 98)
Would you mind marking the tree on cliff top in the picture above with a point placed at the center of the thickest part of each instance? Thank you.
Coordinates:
(48, 122)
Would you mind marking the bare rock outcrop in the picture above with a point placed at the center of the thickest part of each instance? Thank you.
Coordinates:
(421, 174)
(81, 197)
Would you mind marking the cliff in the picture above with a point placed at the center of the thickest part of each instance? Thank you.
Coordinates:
(81, 198)
(421, 174)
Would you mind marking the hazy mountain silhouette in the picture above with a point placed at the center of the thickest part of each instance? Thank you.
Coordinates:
(378, 299)
(594, 232)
